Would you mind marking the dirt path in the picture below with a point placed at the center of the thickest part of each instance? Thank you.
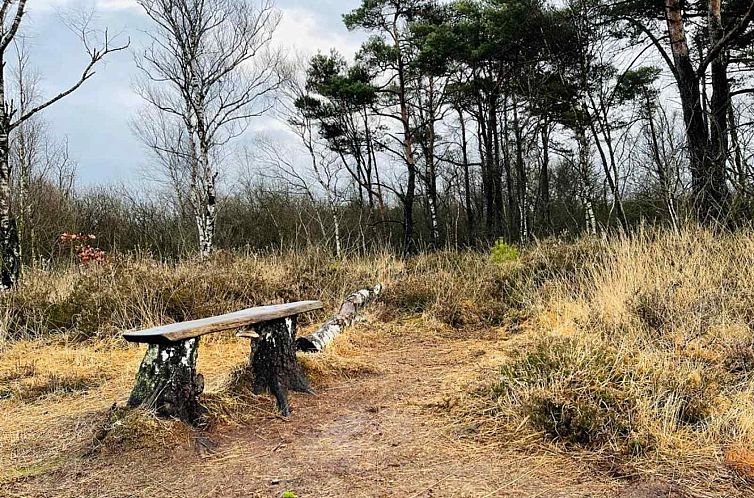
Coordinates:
(378, 434)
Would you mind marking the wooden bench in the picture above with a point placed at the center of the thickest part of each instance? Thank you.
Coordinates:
(167, 380)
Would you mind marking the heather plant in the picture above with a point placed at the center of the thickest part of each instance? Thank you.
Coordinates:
(639, 347)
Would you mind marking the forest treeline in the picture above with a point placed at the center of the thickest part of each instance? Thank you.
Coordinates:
(455, 124)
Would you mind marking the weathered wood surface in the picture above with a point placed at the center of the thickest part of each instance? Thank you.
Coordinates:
(273, 362)
(167, 381)
(197, 328)
(318, 340)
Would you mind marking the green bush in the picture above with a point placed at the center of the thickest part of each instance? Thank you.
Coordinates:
(504, 253)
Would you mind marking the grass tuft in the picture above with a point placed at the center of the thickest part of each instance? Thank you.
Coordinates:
(640, 347)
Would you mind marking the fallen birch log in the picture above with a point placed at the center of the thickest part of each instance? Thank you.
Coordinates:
(317, 341)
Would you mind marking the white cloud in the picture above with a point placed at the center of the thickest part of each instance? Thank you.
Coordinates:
(303, 30)
(115, 5)
(103, 6)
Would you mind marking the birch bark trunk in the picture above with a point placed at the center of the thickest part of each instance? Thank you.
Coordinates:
(9, 242)
(317, 341)
(544, 178)
(167, 381)
(273, 362)
(336, 229)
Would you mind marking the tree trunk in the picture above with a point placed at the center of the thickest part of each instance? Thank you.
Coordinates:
(167, 381)
(488, 173)
(206, 219)
(10, 245)
(707, 187)
(318, 341)
(408, 148)
(434, 223)
(273, 362)
(502, 162)
(513, 215)
(719, 105)
(584, 172)
(336, 228)
(523, 205)
(544, 178)
(470, 218)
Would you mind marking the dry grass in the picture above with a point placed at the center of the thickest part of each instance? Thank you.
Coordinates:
(100, 301)
(642, 353)
(634, 354)
(346, 358)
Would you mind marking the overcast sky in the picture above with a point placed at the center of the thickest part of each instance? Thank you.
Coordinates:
(96, 118)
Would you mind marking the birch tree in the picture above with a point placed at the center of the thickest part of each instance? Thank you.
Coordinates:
(209, 69)
(14, 114)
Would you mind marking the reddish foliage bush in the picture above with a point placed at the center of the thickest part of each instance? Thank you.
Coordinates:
(80, 244)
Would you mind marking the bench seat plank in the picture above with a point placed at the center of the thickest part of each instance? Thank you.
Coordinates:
(195, 328)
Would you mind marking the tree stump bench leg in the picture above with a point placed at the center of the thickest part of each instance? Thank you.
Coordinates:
(167, 381)
(274, 364)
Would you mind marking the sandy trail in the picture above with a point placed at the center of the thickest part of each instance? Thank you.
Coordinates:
(377, 434)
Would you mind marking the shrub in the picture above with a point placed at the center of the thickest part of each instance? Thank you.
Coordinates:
(639, 343)
(571, 392)
(503, 253)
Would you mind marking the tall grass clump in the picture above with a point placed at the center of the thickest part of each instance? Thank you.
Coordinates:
(460, 289)
(645, 348)
(129, 292)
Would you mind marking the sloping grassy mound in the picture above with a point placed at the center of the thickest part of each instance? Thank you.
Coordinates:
(644, 350)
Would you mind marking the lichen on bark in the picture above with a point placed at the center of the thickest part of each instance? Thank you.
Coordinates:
(167, 381)
(274, 364)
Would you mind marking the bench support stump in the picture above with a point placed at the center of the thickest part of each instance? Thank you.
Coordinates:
(273, 362)
(167, 381)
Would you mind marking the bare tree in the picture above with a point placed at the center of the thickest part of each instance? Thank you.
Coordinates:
(208, 70)
(322, 177)
(13, 114)
(39, 160)
(324, 169)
